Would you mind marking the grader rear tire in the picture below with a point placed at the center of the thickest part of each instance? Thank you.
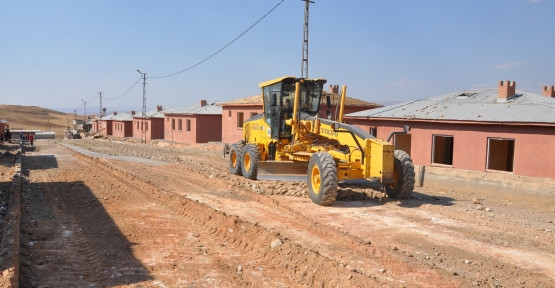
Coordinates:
(235, 156)
(251, 155)
(322, 179)
(404, 177)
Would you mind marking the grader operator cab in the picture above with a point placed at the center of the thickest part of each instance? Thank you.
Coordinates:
(291, 140)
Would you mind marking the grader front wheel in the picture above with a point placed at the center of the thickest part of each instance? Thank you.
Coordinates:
(322, 179)
(404, 177)
(251, 155)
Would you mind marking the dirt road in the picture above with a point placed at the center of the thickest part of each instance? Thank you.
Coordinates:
(89, 221)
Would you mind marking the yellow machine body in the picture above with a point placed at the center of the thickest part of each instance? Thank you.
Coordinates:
(357, 154)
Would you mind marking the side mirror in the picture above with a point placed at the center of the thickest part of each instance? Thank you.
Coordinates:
(328, 102)
(273, 99)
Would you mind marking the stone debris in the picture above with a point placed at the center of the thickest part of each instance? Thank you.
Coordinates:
(276, 243)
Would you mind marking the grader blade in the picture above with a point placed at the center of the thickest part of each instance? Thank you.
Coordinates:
(282, 170)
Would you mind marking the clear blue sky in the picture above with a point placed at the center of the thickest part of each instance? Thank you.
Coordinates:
(55, 53)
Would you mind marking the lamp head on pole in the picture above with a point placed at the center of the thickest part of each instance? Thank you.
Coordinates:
(139, 71)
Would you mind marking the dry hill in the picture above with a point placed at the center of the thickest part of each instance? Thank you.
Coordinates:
(37, 118)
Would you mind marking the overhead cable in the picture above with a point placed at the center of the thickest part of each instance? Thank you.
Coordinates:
(536, 71)
(125, 92)
(222, 47)
(538, 79)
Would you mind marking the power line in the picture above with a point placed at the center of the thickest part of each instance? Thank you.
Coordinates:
(539, 79)
(113, 98)
(93, 98)
(125, 92)
(80, 107)
(536, 71)
(224, 46)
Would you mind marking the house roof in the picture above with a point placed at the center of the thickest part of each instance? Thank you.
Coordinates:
(155, 113)
(211, 108)
(334, 98)
(118, 117)
(479, 105)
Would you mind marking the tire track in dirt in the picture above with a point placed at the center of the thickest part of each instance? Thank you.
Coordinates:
(149, 193)
(352, 249)
(250, 239)
(85, 266)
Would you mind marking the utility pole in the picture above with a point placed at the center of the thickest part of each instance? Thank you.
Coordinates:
(74, 117)
(143, 118)
(100, 115)
(304, 63)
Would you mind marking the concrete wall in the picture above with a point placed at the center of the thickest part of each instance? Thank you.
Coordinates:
(122, 128)
(486, 184)
(203, 128)
(534, 148)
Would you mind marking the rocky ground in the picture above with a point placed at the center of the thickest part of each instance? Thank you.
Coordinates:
(8, 154)
(184, 221)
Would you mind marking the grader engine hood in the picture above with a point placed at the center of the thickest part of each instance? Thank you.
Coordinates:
(375, 155)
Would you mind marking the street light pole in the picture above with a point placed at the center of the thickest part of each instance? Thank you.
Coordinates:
(85, 115)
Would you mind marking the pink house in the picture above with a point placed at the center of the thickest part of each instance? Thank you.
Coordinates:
(194, 124)
(104, 125)
(153, 126)
(122, 124)
(235, 112)
(501, 130)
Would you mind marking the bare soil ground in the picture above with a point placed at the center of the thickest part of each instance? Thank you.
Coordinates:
(95, 222)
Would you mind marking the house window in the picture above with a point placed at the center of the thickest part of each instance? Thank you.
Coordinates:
(146, 126)
(253, 114)
(442, 150)
(374, 131)
(188, 125)
(239, 119)
(137, 125)
(167, 119)
(229, 113)
(173, 124)
(501, 154)
(179, 124)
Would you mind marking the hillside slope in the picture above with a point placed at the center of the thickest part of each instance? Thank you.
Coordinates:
(37, 118)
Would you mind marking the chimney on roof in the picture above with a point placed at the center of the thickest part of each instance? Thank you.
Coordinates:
(158, 108)
(202, 103)
(132, 112)
(505, 90)
(334, 89)
(115, 112)
(548, 91)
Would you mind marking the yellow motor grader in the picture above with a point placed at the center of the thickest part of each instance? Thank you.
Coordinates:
(291, 140)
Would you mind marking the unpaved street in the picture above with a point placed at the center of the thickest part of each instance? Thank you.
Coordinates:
(172, 216)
